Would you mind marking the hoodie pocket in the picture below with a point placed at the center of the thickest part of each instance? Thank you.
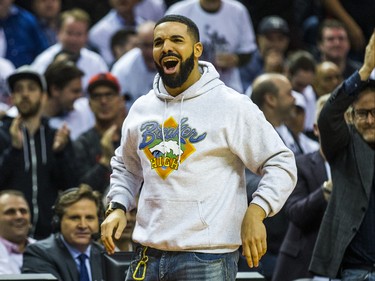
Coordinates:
(174, 224)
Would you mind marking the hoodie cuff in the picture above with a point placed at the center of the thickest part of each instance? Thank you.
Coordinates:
(262, 203)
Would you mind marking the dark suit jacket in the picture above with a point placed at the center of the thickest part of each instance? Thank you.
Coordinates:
(304, 208)
(51, 256)
(352, 163)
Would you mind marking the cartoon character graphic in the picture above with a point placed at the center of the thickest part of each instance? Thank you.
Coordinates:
(162, 146)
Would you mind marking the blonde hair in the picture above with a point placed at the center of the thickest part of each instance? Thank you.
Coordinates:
(77, 14)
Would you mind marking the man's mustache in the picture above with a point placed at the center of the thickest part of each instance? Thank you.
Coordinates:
(169, 55)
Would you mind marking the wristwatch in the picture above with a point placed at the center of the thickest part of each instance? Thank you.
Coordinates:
(113, 206)
(327, 187)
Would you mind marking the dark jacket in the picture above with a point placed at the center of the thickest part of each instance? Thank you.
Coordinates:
(305, 209)
(352, 163)
(51, 256)
(36, 171)
(88, 152)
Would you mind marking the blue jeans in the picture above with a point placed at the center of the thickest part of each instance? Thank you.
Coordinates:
(182, 266)
(357, 275)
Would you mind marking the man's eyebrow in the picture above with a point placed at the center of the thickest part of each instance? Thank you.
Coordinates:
(171, 37)
(177, 36)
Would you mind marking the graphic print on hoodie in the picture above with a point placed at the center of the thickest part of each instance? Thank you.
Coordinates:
(169, 145)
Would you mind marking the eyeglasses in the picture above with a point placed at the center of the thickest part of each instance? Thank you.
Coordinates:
(361, 114)
(99, 96)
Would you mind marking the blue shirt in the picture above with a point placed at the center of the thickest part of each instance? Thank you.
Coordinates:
(24, 38)
(75, 253)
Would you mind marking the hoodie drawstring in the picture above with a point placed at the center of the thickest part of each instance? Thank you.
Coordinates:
(43, 144)
(179, 131)
(25, 149)
(179, 128)
(162, 126)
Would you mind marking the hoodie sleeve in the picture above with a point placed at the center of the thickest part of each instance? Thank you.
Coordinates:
(126, 178)
(263, 152)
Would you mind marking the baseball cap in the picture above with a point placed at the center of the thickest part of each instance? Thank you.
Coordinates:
(299, 100)
(273, 24)
(103, 79)
(26, 72)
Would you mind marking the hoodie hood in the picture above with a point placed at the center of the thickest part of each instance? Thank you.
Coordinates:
(208, 81)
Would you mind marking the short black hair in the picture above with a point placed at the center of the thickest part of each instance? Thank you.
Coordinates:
(60, 73)
(191, 26)
(121, 37)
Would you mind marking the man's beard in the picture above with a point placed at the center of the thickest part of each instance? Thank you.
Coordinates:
(31, 111)
(176, 80)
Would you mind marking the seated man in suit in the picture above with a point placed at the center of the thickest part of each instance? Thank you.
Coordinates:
(70, 254)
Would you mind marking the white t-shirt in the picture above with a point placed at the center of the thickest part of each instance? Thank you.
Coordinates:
(230, 30)
(78, 120)
(134, 76)
(6, 68)
(89, 62)
(101, 33)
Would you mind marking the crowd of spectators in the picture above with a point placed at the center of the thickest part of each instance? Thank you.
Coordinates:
(71, 70)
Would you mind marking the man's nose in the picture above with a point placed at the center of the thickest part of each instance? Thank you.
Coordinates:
(82, 223)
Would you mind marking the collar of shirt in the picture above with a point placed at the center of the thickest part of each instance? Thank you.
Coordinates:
(11, 247)
(73, 251)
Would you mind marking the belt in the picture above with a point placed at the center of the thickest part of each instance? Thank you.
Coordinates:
(150, 251)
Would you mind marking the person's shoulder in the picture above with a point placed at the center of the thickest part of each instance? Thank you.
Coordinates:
(45, 244)
(233, 100)
(23, 14)
(234, 4)
(181, 6)
(6, 67)
(87, 54)
(104, 24)
(46, 57)
(126, 61)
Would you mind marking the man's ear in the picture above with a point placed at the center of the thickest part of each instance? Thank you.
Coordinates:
(198, 49)
(316, 130)
(54, 91)
(270, 100)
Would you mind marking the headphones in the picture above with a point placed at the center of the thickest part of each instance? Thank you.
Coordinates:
(58, 210)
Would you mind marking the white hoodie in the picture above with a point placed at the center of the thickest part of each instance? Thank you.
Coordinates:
(194, 191)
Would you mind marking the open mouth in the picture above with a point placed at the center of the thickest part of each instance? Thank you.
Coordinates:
(170, 65)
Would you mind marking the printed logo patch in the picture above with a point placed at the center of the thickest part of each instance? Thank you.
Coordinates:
(166, 155)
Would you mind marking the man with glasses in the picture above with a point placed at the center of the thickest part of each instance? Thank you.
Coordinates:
(95, 147)
(345, 246)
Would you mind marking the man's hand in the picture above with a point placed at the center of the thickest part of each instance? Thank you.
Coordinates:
(61, 138)
(253, 235)
(114, 223)
(106, 143)
(226, 60)
(16, 132)
(369, 61)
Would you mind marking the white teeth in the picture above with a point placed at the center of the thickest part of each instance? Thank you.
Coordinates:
(170, 59)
